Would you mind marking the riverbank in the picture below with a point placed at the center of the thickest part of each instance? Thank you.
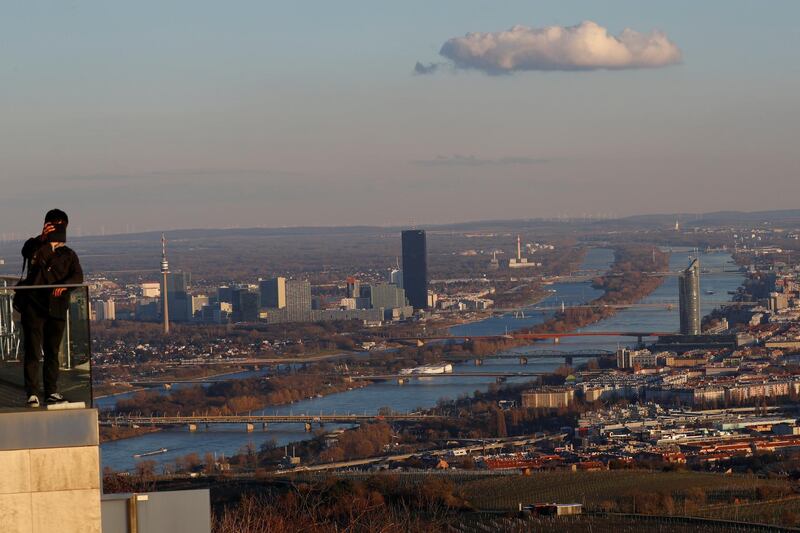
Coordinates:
(626, 282)
(113, 433)
(199, 379)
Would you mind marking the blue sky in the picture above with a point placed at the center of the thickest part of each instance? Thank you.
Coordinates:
(158, 115)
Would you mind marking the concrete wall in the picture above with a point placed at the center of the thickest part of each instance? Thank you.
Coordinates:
(49, 472)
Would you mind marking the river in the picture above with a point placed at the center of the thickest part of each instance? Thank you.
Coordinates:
(224, 439)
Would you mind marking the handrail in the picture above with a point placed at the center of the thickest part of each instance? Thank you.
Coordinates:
(75, 349)
(31, 287)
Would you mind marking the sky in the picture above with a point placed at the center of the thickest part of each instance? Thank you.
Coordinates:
(147, 115)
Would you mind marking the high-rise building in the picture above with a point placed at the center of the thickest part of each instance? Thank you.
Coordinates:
(198, 302)
(249, 306)
(689, 299)
(179, 302)
(178, 282)
(387, 296)
(273, 293)
(353, 288)
(225, 294)
(105, 310)
(415, 268)
(298, 300)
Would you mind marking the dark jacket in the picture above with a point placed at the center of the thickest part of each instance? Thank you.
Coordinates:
(49, 267)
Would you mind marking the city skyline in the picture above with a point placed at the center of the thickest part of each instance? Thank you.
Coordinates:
(423, 266)
(290, 121)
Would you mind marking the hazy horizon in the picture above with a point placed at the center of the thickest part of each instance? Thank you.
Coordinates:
(147, 117)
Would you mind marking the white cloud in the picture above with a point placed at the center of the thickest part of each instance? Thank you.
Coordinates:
(587, 46)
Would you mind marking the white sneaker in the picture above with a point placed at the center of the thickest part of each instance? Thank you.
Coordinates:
(33, 401)
(55, 398)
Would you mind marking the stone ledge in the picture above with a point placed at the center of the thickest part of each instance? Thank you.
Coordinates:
(37, 429)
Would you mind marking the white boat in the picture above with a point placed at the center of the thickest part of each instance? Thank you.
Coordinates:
(153, 452)
(435, 368)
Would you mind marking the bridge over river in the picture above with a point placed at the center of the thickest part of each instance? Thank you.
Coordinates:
(249, 421)
(358, 377)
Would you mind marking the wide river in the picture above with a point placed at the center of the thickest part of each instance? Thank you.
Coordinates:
(229, 439)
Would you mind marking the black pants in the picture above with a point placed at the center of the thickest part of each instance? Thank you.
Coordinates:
(41, 334)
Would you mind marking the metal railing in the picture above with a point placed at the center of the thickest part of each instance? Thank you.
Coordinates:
(75, 350)
(9, 336)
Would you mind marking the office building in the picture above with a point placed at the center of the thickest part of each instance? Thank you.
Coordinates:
(104, 310)
(347, 304)
(353, 288)
(151, 289)
(298, 300)
(198, 302)
(415, 268)
(548, 398)
(627, 358)
(273, 293)
(387, 296)
(249, 304)
(179, 303)
(328, 315)
(147, 310)
(689, 299)
(216, 313)
(225, 294)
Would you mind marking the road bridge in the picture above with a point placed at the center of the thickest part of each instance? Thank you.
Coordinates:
(525, 357)
(530, 336)
(668, 305)
(355, 377)
(249, 421)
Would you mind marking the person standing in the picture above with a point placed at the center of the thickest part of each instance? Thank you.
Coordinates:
(44, 311)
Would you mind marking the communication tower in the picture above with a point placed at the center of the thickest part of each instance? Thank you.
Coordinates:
(164, 272)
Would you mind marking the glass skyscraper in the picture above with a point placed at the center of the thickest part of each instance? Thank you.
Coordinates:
(415, 268)
(273, 293)
(178, 299)
(689, 299)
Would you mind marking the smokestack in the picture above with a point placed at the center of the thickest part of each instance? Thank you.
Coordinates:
(519, 249)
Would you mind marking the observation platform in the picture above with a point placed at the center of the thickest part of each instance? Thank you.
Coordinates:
(73, 383)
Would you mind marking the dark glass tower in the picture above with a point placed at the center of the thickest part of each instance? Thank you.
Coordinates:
(415, 268)
(689, 299)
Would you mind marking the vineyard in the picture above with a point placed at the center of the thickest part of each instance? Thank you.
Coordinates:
(596, 489)
(615, 500)
(604, 523)
(785, 511)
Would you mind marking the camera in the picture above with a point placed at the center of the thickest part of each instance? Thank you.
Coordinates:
(59, 234)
